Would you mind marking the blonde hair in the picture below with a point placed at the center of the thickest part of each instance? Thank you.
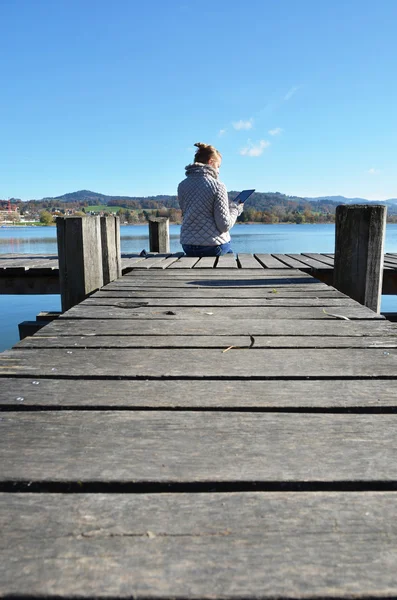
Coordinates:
(205, 152)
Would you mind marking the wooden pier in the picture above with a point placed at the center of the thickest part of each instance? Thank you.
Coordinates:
(39, 274)
(198, 432)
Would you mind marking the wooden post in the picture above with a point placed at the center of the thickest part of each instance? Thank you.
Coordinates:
(80, 258)
(159, 234)
(111, 257)
(359, 248)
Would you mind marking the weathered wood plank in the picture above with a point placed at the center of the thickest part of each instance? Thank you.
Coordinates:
(199, 446)
(359, 252)
(152, 261)
(270, 262)
(310, 262)
(252, 545)
(204, 341)
(206, 262)
(282, 292)
(187, 273)
(374, 394)
(273, 300)
(293, 263)
(321, 258)
(185, 262)
(248, 261)
(165, 263)
(223, 282)
(227, 261)
(84, 311)
(373, 327)
(260, 363)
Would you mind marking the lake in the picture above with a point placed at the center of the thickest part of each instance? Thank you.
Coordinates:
(269, 239)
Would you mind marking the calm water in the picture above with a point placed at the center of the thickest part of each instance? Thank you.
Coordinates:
(134, 238)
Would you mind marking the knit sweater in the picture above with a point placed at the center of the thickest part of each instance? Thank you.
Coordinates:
(207, 213)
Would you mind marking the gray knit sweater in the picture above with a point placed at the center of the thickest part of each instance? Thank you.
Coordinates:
(207, 213)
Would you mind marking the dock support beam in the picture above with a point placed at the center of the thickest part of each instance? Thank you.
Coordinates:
(80, 258)
(111, 257)
(359, 248)
(159, 234)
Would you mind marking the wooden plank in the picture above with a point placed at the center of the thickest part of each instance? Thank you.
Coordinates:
(283, 292)
(271, 300)
(321, 258)
(373, 394)
(185, 262)
(270, 262)
(293, 263)
(215, 545)
(84, 311)
(197, 446)
(285, 286)
(194, 363)
(152, 261)
(248, 261)
(165, 263)
(310, 262)
(270, 283)
(130, 262)
(206, 262)
(205, 341)
(373, 327)
(186, 273)
(227, 261)
(30, 283)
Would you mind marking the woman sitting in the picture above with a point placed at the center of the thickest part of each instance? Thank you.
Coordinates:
(207, 213)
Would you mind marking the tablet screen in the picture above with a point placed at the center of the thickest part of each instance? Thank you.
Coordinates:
(242, 197)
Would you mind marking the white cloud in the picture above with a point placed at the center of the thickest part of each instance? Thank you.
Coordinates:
(373, 171)
(254, 149)
(275, 131)
(243, 124)
(222, 132)
(291, 92)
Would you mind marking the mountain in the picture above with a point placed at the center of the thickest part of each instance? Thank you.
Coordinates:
(343, 200)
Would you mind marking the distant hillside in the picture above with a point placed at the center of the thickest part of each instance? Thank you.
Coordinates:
(343, 200)
(274, 206)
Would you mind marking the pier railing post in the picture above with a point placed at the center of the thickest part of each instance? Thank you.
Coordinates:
(111, 257)
(80, 258)
(159, 234)
(359, 249)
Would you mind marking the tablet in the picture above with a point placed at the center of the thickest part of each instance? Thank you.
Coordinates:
(242, 197)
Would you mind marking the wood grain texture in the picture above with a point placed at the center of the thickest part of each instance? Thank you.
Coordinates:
(323, 312)
(291, 327)
(253, 545)
(194, 363)
(271, 300)
(203, 341)
(206, 262)
(283, 292)
(185, 262)
(310, 261)
(359, 252)
(248, 261)
(227, 261)
(199, 446)
(187, 273)
(195, 394)
(270, 262)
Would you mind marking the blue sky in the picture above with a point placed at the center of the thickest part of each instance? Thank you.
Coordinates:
(299, 96)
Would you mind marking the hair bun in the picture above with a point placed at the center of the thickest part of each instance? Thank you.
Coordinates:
(201, 145)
